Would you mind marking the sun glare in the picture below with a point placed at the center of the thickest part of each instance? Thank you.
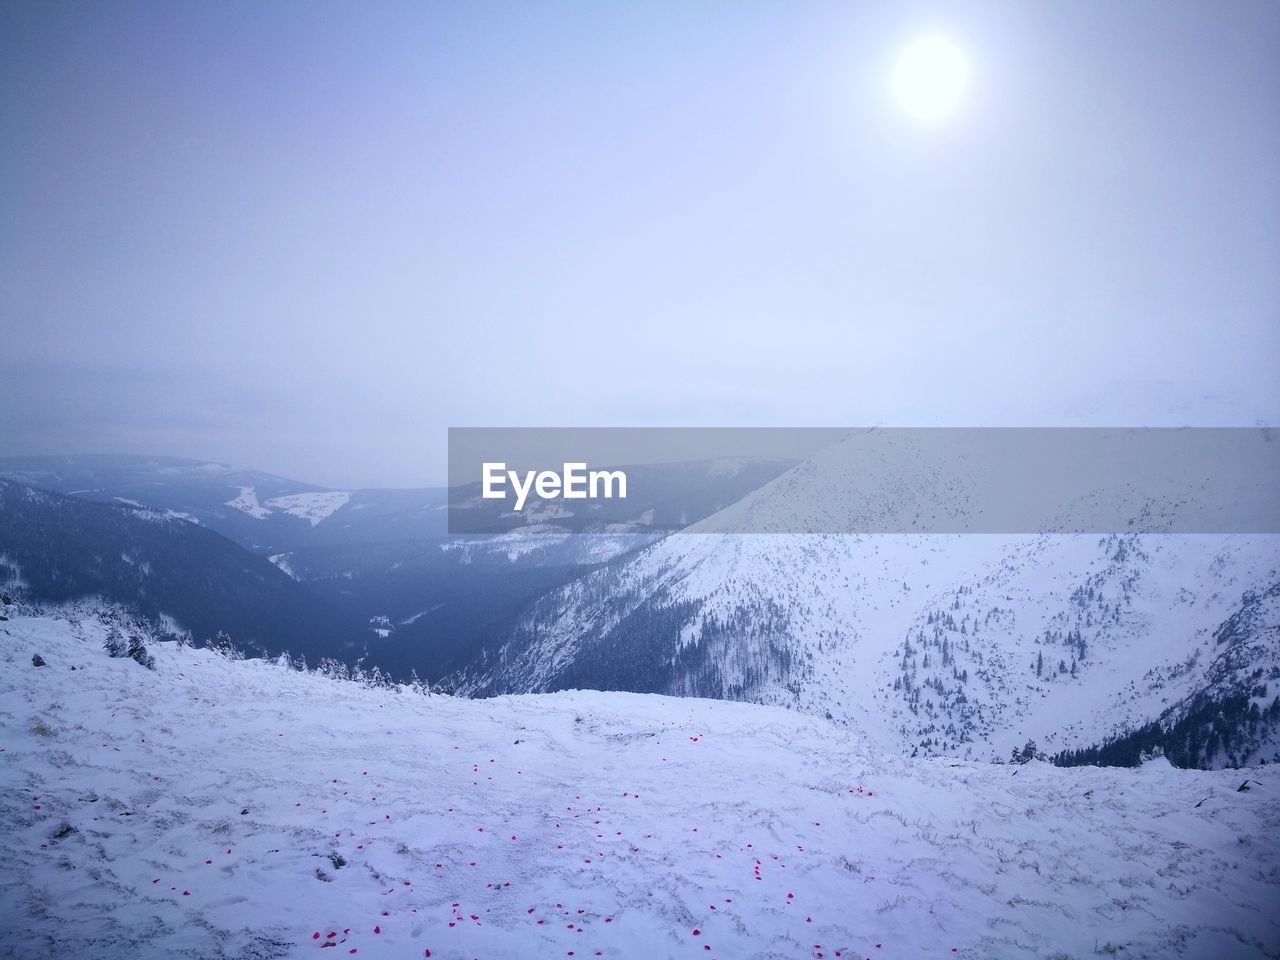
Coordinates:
(930, 78)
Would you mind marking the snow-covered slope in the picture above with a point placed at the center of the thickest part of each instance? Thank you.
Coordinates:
(217, 808)
(962, 645)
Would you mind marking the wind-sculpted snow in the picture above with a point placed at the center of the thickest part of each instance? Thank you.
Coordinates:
(219, 808)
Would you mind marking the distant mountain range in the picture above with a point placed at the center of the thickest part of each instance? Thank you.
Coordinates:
(421, 599)
(55, 548)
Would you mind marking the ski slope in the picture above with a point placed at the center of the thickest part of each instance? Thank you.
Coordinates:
(220, 808)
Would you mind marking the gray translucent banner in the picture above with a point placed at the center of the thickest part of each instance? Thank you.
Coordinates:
(892, 480)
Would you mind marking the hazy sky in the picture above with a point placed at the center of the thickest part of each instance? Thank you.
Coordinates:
(308, 237)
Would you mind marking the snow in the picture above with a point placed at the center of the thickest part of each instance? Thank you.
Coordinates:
(312, 507)
(239, 809)
(11, 574)
(281, 560)
(149, 513)
(599, 546)
(246, 501)
(420, 614)
(728, 466)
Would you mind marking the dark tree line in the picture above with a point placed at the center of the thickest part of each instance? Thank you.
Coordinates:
(1211, 730)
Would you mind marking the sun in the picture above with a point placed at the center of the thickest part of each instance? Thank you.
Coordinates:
(931, 77)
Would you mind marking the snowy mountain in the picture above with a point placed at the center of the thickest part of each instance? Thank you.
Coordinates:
(275, 516)
(212, 807)
(959, 645)
(956, 645)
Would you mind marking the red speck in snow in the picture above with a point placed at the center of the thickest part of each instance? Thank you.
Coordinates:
(377, 929)
(186, 893)
(697, 933)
